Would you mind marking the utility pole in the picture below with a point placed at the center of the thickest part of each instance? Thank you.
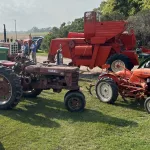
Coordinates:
(15, 30)
(4, 33)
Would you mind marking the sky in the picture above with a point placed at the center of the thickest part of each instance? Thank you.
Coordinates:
(42, 13)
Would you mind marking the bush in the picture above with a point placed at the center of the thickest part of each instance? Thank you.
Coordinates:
(46, 41)
(141, 25)
(75, 26)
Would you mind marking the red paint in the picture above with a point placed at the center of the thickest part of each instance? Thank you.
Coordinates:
(105, 38)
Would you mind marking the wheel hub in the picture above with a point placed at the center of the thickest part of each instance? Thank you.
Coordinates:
(117, 65)
(5, 90)
(75, 103)
(105, 91)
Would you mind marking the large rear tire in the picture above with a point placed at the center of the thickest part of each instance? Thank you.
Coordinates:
(10, 89)
(107, 91)
(119, 59)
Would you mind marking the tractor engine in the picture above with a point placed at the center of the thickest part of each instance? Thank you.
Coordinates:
(51, 77)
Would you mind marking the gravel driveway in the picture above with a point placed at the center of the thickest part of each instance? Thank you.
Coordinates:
(82, 68)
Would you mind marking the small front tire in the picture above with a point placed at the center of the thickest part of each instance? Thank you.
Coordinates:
(107, 91)
(74, 101)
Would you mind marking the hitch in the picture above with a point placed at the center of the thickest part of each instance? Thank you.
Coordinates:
(90, 89)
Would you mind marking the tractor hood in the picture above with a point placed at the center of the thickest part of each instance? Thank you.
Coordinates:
(51, 70)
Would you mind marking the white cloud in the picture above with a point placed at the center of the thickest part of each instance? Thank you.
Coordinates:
(42, 13)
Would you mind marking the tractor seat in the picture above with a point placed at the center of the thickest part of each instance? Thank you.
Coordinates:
(7, 63)
(144, 55)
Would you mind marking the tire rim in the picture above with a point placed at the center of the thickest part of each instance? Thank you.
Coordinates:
(148, 106)
(74, 103)
(104, 92)
(117, 65)
(5, 90)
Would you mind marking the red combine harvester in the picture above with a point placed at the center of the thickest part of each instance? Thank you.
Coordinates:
(101, 42)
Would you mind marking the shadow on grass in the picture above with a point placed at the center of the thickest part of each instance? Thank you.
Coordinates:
(1, 146)
(41, 112)
(132, 104)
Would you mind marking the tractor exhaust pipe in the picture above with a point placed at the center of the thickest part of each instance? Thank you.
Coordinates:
(4, 33)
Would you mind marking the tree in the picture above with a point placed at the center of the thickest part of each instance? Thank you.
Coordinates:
(124, 7)
(75, 26)
(146, 4)
(141, 25)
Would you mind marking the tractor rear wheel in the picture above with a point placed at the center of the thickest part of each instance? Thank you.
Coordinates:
(74, 101)
(119, 59)
(33, 93)
(107, 91)
(10, 89)
(147, 105)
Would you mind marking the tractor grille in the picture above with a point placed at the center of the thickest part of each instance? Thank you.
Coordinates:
(75, 78)
(13, 48)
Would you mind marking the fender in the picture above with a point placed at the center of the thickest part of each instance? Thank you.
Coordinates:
(109, 75)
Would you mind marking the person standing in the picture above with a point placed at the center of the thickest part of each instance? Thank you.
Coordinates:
(33, 51)
(23, 48)
(26, 49)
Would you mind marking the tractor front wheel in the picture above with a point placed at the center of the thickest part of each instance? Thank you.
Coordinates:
(74, 101)
(147, 105)
(117, 60)
(107, 91)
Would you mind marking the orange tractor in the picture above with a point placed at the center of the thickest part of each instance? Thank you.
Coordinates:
(129, 84)
(102, 42)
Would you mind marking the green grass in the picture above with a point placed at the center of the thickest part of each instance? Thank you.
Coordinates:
(45, 124)
(42, 53)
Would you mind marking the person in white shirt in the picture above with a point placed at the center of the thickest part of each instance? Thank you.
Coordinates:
(23, 48)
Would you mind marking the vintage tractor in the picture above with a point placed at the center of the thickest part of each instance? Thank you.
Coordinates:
(12, 50)
(102, 42)
(10, 83)
(36, 78)
(129, 84)
(13, 47)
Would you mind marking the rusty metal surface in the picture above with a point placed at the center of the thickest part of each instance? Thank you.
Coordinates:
(41, 69)
(54, 77)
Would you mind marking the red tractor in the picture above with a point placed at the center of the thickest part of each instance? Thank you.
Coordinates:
(36, 78)
(102, 42)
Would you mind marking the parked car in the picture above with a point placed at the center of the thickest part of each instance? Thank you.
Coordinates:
(38, 43)
(35, 38)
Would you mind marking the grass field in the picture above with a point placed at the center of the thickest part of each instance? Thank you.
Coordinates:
(45, 124)
(22, 35)
(42, 53)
